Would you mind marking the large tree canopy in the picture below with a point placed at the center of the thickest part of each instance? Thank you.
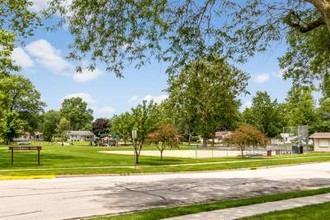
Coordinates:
(264, 114)
(120, 32)
(76, 111)
(204, 96)
(20, 106)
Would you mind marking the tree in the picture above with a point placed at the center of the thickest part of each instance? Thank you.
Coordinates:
(10, 125)
(145, 119)
(300, 107)
(75, 110)
(122, 125)
(62, 129)
(49, 123)
(101, 127)
(20, 102)
(165, 136)
(323, 116)
(205, 96)
(247, 136)
(264, 114)
(120, 32)
(17, 22)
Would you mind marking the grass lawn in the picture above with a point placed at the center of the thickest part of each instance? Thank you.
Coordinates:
(77, 159)
(320, 211)
(160, 213)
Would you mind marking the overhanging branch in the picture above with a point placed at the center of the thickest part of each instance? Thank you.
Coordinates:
(303, 28)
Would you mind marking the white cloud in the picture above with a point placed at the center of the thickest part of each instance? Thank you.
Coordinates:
(247, 104)
(21, 58)
(280, 73)
(87, 75)
(133, 99)
(157, 99)
(104, 110)
(50, 58)
(39, 5)
(262, 78)
(85, 96)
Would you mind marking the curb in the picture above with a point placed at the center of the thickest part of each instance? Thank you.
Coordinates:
(27, 177)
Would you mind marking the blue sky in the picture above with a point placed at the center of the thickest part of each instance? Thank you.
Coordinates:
(43, 62)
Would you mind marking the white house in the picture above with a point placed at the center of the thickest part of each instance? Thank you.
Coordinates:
(80, 136)
(27, 136)
(321, 141)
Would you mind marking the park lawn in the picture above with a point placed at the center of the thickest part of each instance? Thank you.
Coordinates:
(83, 160)
(320, 211)
(161, 213)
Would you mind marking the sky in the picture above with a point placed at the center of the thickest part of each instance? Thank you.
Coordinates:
(43, 62)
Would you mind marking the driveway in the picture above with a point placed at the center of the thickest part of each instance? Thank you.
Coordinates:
(72, 197)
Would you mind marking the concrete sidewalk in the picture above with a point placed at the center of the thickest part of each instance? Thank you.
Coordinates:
(250, 210)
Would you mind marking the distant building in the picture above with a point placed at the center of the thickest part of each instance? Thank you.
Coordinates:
(321, 141)
(221, 135)
(80, 136)
(27, 136)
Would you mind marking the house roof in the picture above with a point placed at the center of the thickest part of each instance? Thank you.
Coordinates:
(320, 135)
(222, 133)
(81, 133)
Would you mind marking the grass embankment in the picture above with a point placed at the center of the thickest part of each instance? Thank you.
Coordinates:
(160, 213)
(65, 160)
(319, 212)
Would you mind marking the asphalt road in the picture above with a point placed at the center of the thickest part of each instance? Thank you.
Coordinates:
(74, 197)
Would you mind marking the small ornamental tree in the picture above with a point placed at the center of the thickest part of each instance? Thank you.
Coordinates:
(101, 127)
(165, 136)
(62, 128)
(247, 135)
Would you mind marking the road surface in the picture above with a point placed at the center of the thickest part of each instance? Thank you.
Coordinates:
(73, 197)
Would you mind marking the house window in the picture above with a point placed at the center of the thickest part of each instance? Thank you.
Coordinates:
(324, 143)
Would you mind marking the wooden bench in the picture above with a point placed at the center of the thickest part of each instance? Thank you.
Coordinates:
(24, 148)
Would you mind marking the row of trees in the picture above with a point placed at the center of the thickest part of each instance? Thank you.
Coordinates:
(22, 110)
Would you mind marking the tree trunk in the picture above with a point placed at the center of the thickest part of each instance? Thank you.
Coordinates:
(324, 7)
(189, 139)
(161, 155)
(242, 150)
(136, 152)
(205, 142)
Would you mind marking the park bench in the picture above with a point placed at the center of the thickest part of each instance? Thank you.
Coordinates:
(24, 148)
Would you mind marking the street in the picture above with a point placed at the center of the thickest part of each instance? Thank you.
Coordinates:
(73, 197)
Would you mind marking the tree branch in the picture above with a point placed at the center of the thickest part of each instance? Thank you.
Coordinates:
(303, 28)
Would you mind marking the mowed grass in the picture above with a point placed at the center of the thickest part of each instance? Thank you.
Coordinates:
(79, 159)
(319, 212)
(161, 213)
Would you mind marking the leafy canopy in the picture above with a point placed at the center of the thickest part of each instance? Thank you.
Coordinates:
(179, 32)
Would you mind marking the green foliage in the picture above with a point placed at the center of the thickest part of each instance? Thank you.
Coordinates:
(145, 118)
(323, 116)
(165, 136)
(10, 125)
(120, 32)
(264, 114)
(307, 57)
(50, 120)
(20, 103)
(122, 126)
(62, 129)
(17, 22)
(76, 111)
(247, 136)
(300, 107)
(204, 96)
